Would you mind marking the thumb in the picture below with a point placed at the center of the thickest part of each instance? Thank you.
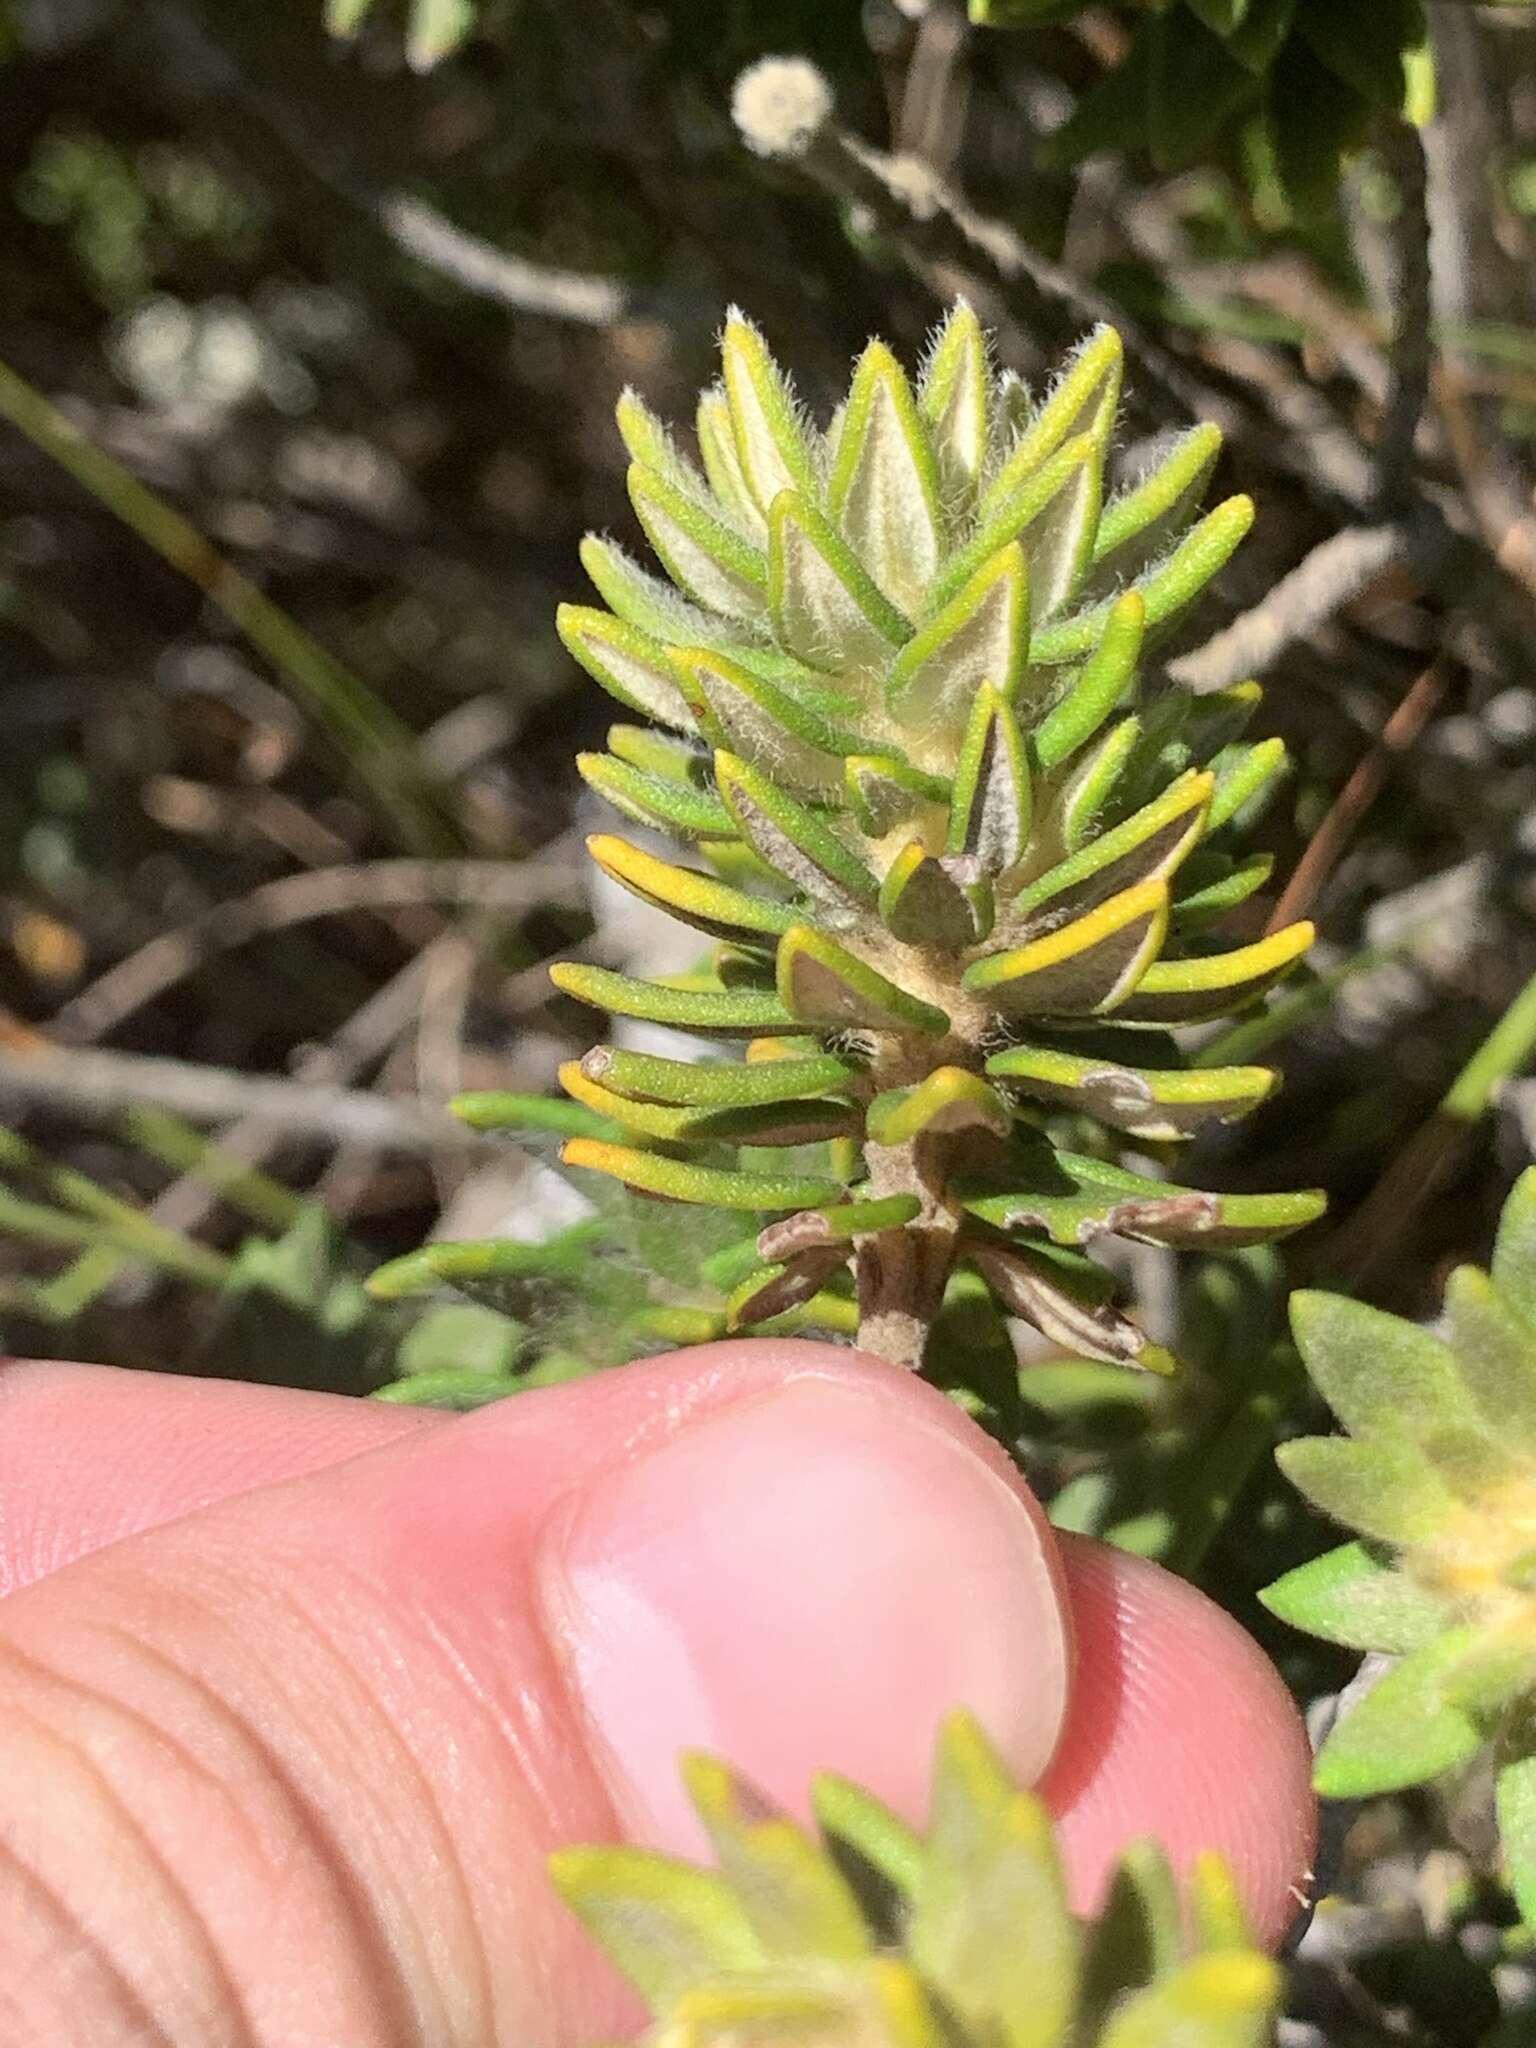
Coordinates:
(287, 1770)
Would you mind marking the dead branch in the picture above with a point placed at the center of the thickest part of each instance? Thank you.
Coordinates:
(295, 899)
(97, 1083)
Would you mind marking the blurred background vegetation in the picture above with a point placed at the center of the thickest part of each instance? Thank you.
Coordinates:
(310, 333)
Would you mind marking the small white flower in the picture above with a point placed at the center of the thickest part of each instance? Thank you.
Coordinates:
(780, 104)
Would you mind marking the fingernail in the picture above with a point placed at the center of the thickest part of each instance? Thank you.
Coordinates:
(808, 1581)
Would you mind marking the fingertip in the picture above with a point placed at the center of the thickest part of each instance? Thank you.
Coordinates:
(1181, 1730)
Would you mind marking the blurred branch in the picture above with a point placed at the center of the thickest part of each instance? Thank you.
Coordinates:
(100, 1083)
(1322, 584)
(295, 899)
(1344, 815)
(415, 228)
(366, 1035)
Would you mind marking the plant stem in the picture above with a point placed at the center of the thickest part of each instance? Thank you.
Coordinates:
(376, 746)
(901, 1274)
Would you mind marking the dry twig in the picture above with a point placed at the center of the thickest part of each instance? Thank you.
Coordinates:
(295, 899)
(104, 1083)
(1344, 815)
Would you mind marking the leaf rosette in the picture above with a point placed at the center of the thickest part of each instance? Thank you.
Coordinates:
(958, 863)
(874, 1936)
(1437, 1474)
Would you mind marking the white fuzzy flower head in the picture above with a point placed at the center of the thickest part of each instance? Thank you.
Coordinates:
(780, 104)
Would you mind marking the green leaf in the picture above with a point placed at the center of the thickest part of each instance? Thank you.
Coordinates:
(642, 600)
(1366, 50)
(695, 899)
(1240, 776)
(1149, 1102)
(433, 1266)
(650, 444)
(1230, 882)
(709, 560)
(437, 29)
(989, 1925)
(980, 636)
(1016, 517)
(668, 1926)
(1387, 1491)
(823, 984)
(1192, 990)
(1105, 679)
(921, 904)
(950, 1099)
(1379, 1374)
(993, 802)
(1260, 36)
(680, 1180)
(1083, 399)
(644, 1077)
(1514, 1251)
(796, 843)
(1404, 1731)
(769, 443)
(1168, 590)
(1137, 524)
(953, 400)
(461, 1337)
(1216, 1906)
(885, 792)
(1515, 1795)
(1216, 2001)
(782, 1123)
(1195, 88)
(1093, 782)
(459, 1390)
(657, 753)
(1315, 120)
(796, 1903)
(1089, 966)
(1148, 846)
(735, 1012)
(1496, 1353)
(795, 735)
(1137, 1937)
(716, 430)
(630, 665)
(885, 490)
(656, 800)
(848, 1814)
(1074, 1199)
(498, 1109)
(1220, 16)
(346, 17)
(826, 608)
(1351, 1596)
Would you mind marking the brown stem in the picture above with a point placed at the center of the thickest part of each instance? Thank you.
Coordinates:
(901, 1274)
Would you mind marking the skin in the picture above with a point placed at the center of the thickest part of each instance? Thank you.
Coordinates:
(297, 1693)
